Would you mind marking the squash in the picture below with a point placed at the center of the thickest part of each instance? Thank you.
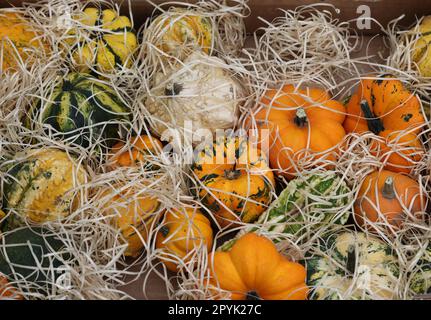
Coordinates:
(384, 197)
(421, 278)
(7, 291)
(19, 40)
(133, 213)
(24, 250)
(351, 265)
(83, 109)
(253, 269)
(40, 187)
(309, 202)
(421, 53)
(199, 91)
(179, 31)
(182, 232)
(390, 111)
(300, 120)
(105, 43)
(235, 180)
(140, 147)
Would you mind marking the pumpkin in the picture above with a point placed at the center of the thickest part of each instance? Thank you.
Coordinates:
(253, 269)
(140, 148)
(421, 53)
(179, 31)
(235, 180)
(7, 291)
(133, 213)
(199, 91)
(309, 202)
(300, 120)
(83, 110)
(182, 233)
(106, 42)
(351, 265)
(387, 197)
(387, 109)
(40, 186)
(19, 40)
(421, 278)
(23, 251)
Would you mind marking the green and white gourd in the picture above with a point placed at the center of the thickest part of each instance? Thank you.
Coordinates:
(351, 265)
(421, 277)
(309, 202)
(83, 110)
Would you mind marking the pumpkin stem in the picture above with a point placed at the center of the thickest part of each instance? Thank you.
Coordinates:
(300, 118)
(232, 174)
(388, 190)
(351, 260)
(252, 295)
(165, 231)
(375, 125)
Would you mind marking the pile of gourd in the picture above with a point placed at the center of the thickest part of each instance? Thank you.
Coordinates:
(107, 140)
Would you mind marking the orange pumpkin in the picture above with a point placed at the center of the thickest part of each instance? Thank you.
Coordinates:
(254, 269)
(181, 234)
(140, 147)
(384, 197)
(390, 111)
(299, 119)
(7, 291)
(236, 179)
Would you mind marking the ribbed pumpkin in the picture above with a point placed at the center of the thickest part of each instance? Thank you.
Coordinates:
(133, 213)
(300, 119)
(40, 187)
(140, 147)
(83, 109)
(19, 40)
(236, 180)
(182, 232)
(180, 31)
(422, 50)
(385, 197)
(107, 41)
(253, 269)
(386, 108)
(7, 291)
(351, 265)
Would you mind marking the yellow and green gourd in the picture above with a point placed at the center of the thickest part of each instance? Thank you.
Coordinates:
(41, 187)
(421, 279)
(105, 43)
(83, 109)
(422, 48)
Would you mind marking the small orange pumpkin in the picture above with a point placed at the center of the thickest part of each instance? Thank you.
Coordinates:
(141, 146)
(384, 197)
(390, 111)
(254, 269)
(300, 119)
(182, 232)
(7, 291)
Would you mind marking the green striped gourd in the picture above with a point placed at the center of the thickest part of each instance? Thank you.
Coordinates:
(308, 202)
(351, 265)
(421, 279)
(83, 109)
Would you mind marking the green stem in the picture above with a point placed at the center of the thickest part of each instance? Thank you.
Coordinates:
(375, 125)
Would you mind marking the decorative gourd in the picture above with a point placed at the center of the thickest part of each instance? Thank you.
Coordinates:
(180, 31)
(236, 180)
(299, 119)
(421, 54)
(7, 291)
(199, 91)
(133, 213)
(23, 251)
(385, 197)
(350, 265)
(182, 232)
(253, 269)
(421, 279)
(107, 41)
(19, 40)
(40, 187)
(84, 109)
(309, 202)
(391, 112)
(140, 147)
